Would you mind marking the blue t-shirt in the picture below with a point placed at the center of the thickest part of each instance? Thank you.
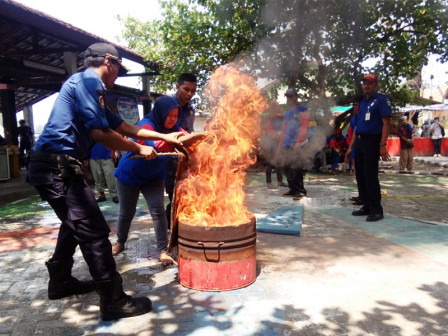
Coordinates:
(135, 172)
(99, 151)
(277, 123)
(78, 109)
(292, 126)
(370, 114)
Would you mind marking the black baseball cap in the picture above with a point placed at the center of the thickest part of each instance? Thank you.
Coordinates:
(104, 49)
(291, 92)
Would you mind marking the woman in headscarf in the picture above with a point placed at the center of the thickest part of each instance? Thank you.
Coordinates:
(135, 175)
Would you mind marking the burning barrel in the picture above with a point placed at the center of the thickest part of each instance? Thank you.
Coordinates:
(217, 258)
(216, 235)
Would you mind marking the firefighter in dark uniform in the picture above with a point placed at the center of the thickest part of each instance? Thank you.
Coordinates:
(78, 119)
(372, 123)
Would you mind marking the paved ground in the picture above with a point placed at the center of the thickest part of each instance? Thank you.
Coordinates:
(342, 276)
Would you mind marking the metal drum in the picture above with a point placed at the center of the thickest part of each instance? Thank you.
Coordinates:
(217, 258)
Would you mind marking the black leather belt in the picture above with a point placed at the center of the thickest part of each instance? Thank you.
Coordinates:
(70, 167)
(45, 156)
(54, 158)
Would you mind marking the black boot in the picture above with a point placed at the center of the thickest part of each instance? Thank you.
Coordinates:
(62, 283)
(115, 304)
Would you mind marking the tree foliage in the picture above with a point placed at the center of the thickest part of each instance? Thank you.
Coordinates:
(321, 47)
(192, 38)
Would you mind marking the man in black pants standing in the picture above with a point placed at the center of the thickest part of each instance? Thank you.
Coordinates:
(372, 125)
(294, 135)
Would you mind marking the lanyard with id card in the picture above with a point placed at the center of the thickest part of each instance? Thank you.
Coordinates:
(367, 117)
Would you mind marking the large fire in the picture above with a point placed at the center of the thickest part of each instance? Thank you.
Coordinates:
(212, 192)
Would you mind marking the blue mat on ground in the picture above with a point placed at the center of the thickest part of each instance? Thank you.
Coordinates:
(284, 220)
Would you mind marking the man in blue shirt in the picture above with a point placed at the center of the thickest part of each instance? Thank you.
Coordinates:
(78, 119)
(186, 89)
(372, 124)
(294, 135)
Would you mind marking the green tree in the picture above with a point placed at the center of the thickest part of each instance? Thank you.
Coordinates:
(191, 38)
(318, 46)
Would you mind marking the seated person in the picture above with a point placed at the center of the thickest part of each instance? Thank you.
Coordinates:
(338, 147)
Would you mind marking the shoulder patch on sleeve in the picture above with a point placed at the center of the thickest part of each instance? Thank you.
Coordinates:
(101, 102)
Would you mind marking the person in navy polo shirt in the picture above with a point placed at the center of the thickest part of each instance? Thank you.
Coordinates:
(80, 118)
(186, 89)
(294, 134)
(372, 124)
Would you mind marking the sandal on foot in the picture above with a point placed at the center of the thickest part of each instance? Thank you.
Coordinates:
(166, 259)
(117, 248)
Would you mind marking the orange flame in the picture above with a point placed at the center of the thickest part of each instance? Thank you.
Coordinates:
(212, 193)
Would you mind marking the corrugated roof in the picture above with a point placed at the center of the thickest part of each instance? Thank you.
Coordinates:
(32, 47)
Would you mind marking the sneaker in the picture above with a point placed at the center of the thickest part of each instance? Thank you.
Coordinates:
(270, 186)
(298, 197)
(115, 199)
(282, 184)
(289, 194)
(435, 155)
(438, 155)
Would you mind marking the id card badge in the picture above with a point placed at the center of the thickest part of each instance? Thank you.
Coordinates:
(367, 116)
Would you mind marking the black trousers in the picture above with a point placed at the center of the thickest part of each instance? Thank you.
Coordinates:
(367, 155)
(82, 222)
(437, 143)
(24, 147)
(268, 171)
(294, 176)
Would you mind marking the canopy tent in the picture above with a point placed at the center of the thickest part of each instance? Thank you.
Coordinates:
(418, 108)
(336, 110)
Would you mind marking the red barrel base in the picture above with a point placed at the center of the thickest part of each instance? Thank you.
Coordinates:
(221, 276)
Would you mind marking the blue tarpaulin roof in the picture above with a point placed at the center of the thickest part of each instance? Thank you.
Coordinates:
(340, 109)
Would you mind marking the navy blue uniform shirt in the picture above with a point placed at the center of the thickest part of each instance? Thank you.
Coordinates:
(78, 109)
(370, 114)
(186, 116)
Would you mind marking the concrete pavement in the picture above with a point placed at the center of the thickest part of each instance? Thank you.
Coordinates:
(342, 276)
